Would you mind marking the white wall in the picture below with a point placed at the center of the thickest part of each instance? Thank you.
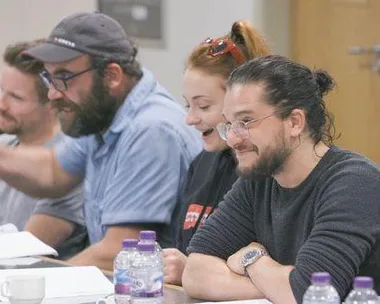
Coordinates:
(25, 19)
(276, 25)
(186, 24)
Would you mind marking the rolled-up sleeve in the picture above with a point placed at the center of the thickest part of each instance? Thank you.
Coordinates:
(148, 177)
(71, 154)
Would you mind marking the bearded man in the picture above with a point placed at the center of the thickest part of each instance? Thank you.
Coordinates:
(129, 142)
(302, 205)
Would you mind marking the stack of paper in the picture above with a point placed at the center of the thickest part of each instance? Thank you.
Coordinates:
(21, 244)
(68, 282)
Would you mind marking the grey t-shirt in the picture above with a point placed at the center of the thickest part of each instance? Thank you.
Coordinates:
(330, 222)
(17, 207)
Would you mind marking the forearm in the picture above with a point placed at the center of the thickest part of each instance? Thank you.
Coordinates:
(35, 171)
(207, 277)
(49, 229)
(272, 279)
(27, 169)
(103, 253)
(96, 255)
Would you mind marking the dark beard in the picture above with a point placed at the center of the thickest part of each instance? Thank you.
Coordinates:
(268, 165)
(94, 115)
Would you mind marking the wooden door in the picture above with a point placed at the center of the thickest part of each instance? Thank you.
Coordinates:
(323, 33)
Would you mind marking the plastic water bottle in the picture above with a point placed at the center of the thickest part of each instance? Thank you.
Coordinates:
(148, 276)
(149, 236)
(122, 267)
(321, 291)
(363, 292)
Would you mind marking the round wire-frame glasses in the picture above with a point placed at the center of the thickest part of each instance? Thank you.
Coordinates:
(240, 128)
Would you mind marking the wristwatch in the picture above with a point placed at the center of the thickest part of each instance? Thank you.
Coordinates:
(252, 256)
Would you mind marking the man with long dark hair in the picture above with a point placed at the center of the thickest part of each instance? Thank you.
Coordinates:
(302, 205)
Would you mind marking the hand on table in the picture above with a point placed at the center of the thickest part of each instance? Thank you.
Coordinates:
(175, 262)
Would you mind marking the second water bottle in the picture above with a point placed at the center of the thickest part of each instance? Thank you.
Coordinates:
(363, 292)
(321, 291)
(148, 276)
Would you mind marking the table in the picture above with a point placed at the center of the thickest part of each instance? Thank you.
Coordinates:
(173, 294)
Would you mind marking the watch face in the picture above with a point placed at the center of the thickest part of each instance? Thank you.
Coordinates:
(250, 257)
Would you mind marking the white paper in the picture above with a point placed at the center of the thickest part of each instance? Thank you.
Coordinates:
(258, 301)
(77, 300)
(18, 261)
(22, 244)
(72, 300)
(65, 282)
(8, 228)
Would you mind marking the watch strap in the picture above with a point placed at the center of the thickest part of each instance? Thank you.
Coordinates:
(261, 252)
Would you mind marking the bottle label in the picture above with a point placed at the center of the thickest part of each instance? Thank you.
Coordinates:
(122, 282)
(148, 285)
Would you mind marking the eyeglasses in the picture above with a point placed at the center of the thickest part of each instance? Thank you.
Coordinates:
(59, 82)
(240, 128)
(223, 46)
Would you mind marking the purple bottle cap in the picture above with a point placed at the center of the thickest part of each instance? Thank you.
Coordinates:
(363, 282)
(130, 243)
(320, 277)
(145, 247)
(148, 235)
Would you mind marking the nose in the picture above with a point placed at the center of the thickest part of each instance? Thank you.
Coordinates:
(3, 104)
(191, 118)
(232, 139)
(54, 94)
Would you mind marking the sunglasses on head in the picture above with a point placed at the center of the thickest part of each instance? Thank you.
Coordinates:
(223, 46)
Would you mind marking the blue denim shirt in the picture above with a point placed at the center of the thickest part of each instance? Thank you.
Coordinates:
(137, 175)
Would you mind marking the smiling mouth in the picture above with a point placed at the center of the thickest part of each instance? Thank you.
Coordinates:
(208, 132)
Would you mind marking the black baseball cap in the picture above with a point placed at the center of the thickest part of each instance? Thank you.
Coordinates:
(85, 33)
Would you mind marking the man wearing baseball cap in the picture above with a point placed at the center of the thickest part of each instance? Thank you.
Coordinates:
(129, 142)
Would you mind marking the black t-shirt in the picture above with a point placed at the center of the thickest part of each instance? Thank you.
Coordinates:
(209, 178)
(330, 222)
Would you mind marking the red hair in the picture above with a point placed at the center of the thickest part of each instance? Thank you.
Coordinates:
(248, 41)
